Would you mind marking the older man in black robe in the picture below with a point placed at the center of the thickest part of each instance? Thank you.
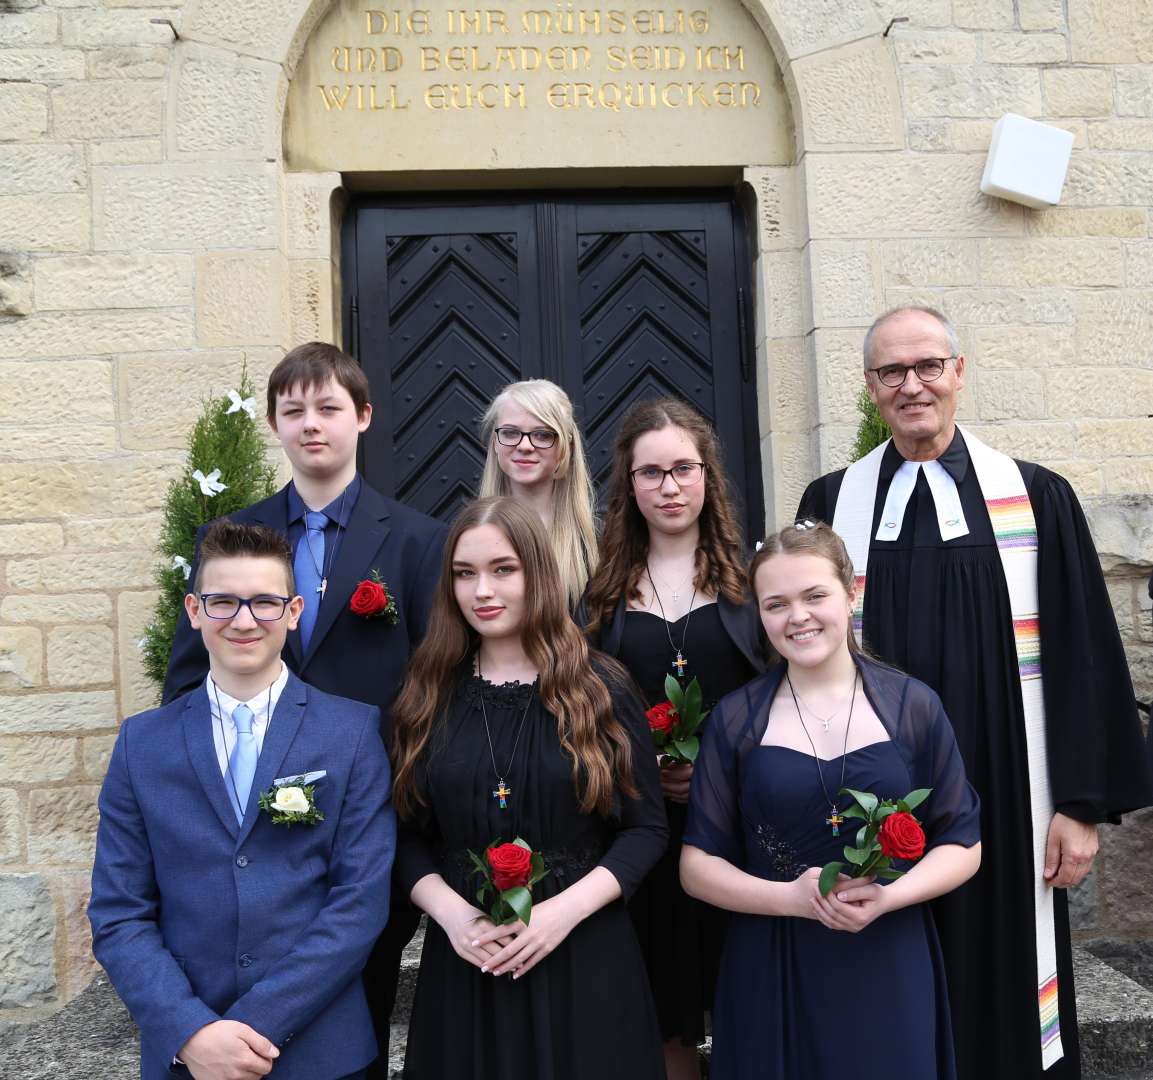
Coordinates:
(938, 605)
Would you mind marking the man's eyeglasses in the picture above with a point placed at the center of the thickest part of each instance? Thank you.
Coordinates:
(541, 438)
(649, 477)
(218, 605)
(928, 370)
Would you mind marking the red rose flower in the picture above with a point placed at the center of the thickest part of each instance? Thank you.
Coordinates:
(369, 599)
(511, 865)
(901, 837)
(662, 717)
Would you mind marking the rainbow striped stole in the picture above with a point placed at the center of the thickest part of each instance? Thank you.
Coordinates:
(1015, 531)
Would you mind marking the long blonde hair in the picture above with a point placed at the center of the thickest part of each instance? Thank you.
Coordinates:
(570, 688)
(573, 533)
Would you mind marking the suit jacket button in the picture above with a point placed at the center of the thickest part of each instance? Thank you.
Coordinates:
(242, 861)
(245, 960)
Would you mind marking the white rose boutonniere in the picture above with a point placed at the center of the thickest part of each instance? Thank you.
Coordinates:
(291, 802)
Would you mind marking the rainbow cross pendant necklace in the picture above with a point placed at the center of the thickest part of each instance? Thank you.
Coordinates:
(835, 818)
(679, 663)
(502, 790)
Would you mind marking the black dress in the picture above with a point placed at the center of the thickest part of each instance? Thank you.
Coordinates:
(681, 938)
(793, 1001)
(584, 1011)
(940, 611)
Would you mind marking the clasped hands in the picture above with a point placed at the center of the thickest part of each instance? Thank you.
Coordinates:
(511, 948)
(852, 904)
(228, 1050)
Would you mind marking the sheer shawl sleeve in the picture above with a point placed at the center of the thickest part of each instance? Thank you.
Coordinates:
(734, 726)
(642, 830)
(916, 720)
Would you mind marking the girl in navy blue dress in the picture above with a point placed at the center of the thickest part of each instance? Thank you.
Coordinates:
(812, 986)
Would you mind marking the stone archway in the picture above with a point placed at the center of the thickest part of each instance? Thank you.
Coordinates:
(228, 88)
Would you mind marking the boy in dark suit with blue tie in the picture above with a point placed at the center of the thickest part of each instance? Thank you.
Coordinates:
(245, 846)
(342, 533)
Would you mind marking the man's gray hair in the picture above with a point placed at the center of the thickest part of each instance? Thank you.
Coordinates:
(950, 330)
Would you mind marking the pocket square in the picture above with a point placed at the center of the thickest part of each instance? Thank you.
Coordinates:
(300, 779)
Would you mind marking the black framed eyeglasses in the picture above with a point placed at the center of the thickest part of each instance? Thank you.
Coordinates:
(649, 477)
(928, 370)
(219, 605)
(541, 438)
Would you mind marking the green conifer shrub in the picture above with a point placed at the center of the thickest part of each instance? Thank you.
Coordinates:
(871, 430)
(232, 442)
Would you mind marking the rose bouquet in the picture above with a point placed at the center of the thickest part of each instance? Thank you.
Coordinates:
(509, 872)
(674, 723)
(372, 600)
(889, 832)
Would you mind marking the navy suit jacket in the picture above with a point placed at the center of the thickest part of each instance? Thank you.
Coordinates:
(196, 918)
(347, 654)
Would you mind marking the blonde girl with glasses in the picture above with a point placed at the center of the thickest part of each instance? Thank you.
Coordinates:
(537, 456)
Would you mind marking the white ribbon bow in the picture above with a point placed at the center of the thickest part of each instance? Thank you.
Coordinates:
(210, 484)
(248, 404)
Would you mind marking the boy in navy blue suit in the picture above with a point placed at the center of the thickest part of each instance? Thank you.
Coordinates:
(245, 846)
(342, 532)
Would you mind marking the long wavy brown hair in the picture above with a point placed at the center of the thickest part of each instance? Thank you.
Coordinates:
(625, 540)
(570, 689)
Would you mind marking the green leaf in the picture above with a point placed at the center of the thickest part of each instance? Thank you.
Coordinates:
(476, 861)
(674, 693)
(829, 877)
(855, 855)
(523, 844)
(889, 874)
(915, 798)
(693, 698)
(520, 900)
(883, 812)
(689, 747)
(866, 800)
(856, 812)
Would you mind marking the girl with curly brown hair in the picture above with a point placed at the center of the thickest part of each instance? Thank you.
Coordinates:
(670, 597)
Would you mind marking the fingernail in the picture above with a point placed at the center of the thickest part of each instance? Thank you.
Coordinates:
(484, 970)
(476, 943)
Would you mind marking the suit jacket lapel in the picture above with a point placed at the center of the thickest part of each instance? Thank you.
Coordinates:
(202, 753)
(273, 513)
(352, 562)
(278, 738)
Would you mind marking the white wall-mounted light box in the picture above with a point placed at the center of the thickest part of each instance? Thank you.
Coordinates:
(1027, 161)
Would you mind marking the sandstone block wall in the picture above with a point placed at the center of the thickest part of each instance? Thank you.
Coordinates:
(152, 243)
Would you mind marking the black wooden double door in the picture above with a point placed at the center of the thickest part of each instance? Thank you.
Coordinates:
(447, 302)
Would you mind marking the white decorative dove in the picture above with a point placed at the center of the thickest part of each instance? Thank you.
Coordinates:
(248, 404)
(209, 485)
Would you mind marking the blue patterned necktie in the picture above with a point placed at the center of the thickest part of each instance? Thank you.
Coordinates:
(308, 568)
(242, 762)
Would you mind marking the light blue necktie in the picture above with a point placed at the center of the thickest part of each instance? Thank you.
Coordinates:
(242, 763)
(308, 567)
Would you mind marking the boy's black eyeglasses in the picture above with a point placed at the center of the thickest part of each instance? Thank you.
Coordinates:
(541, 438)
(218, 605)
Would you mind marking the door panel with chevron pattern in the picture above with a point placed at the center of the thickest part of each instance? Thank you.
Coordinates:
(614, 301)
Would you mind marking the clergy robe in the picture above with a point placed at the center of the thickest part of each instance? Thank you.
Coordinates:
(940, 611)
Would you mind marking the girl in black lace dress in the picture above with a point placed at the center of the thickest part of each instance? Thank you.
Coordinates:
(507, 727)
(669, 597)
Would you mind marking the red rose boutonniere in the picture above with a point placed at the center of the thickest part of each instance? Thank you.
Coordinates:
(889, 832)
(509, 872)
(372, 600)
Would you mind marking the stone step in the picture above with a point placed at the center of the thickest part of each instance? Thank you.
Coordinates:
(93, 1035)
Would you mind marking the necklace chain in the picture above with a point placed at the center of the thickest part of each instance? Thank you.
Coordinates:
(503, 791)
(835, 818)
(826, 720)
(322, 566)
(679, 662)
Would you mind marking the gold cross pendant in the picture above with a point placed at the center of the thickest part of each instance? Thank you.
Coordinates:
(680, 663)
(836, 820)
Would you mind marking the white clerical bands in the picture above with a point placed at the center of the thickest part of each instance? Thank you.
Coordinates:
(947, 500)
